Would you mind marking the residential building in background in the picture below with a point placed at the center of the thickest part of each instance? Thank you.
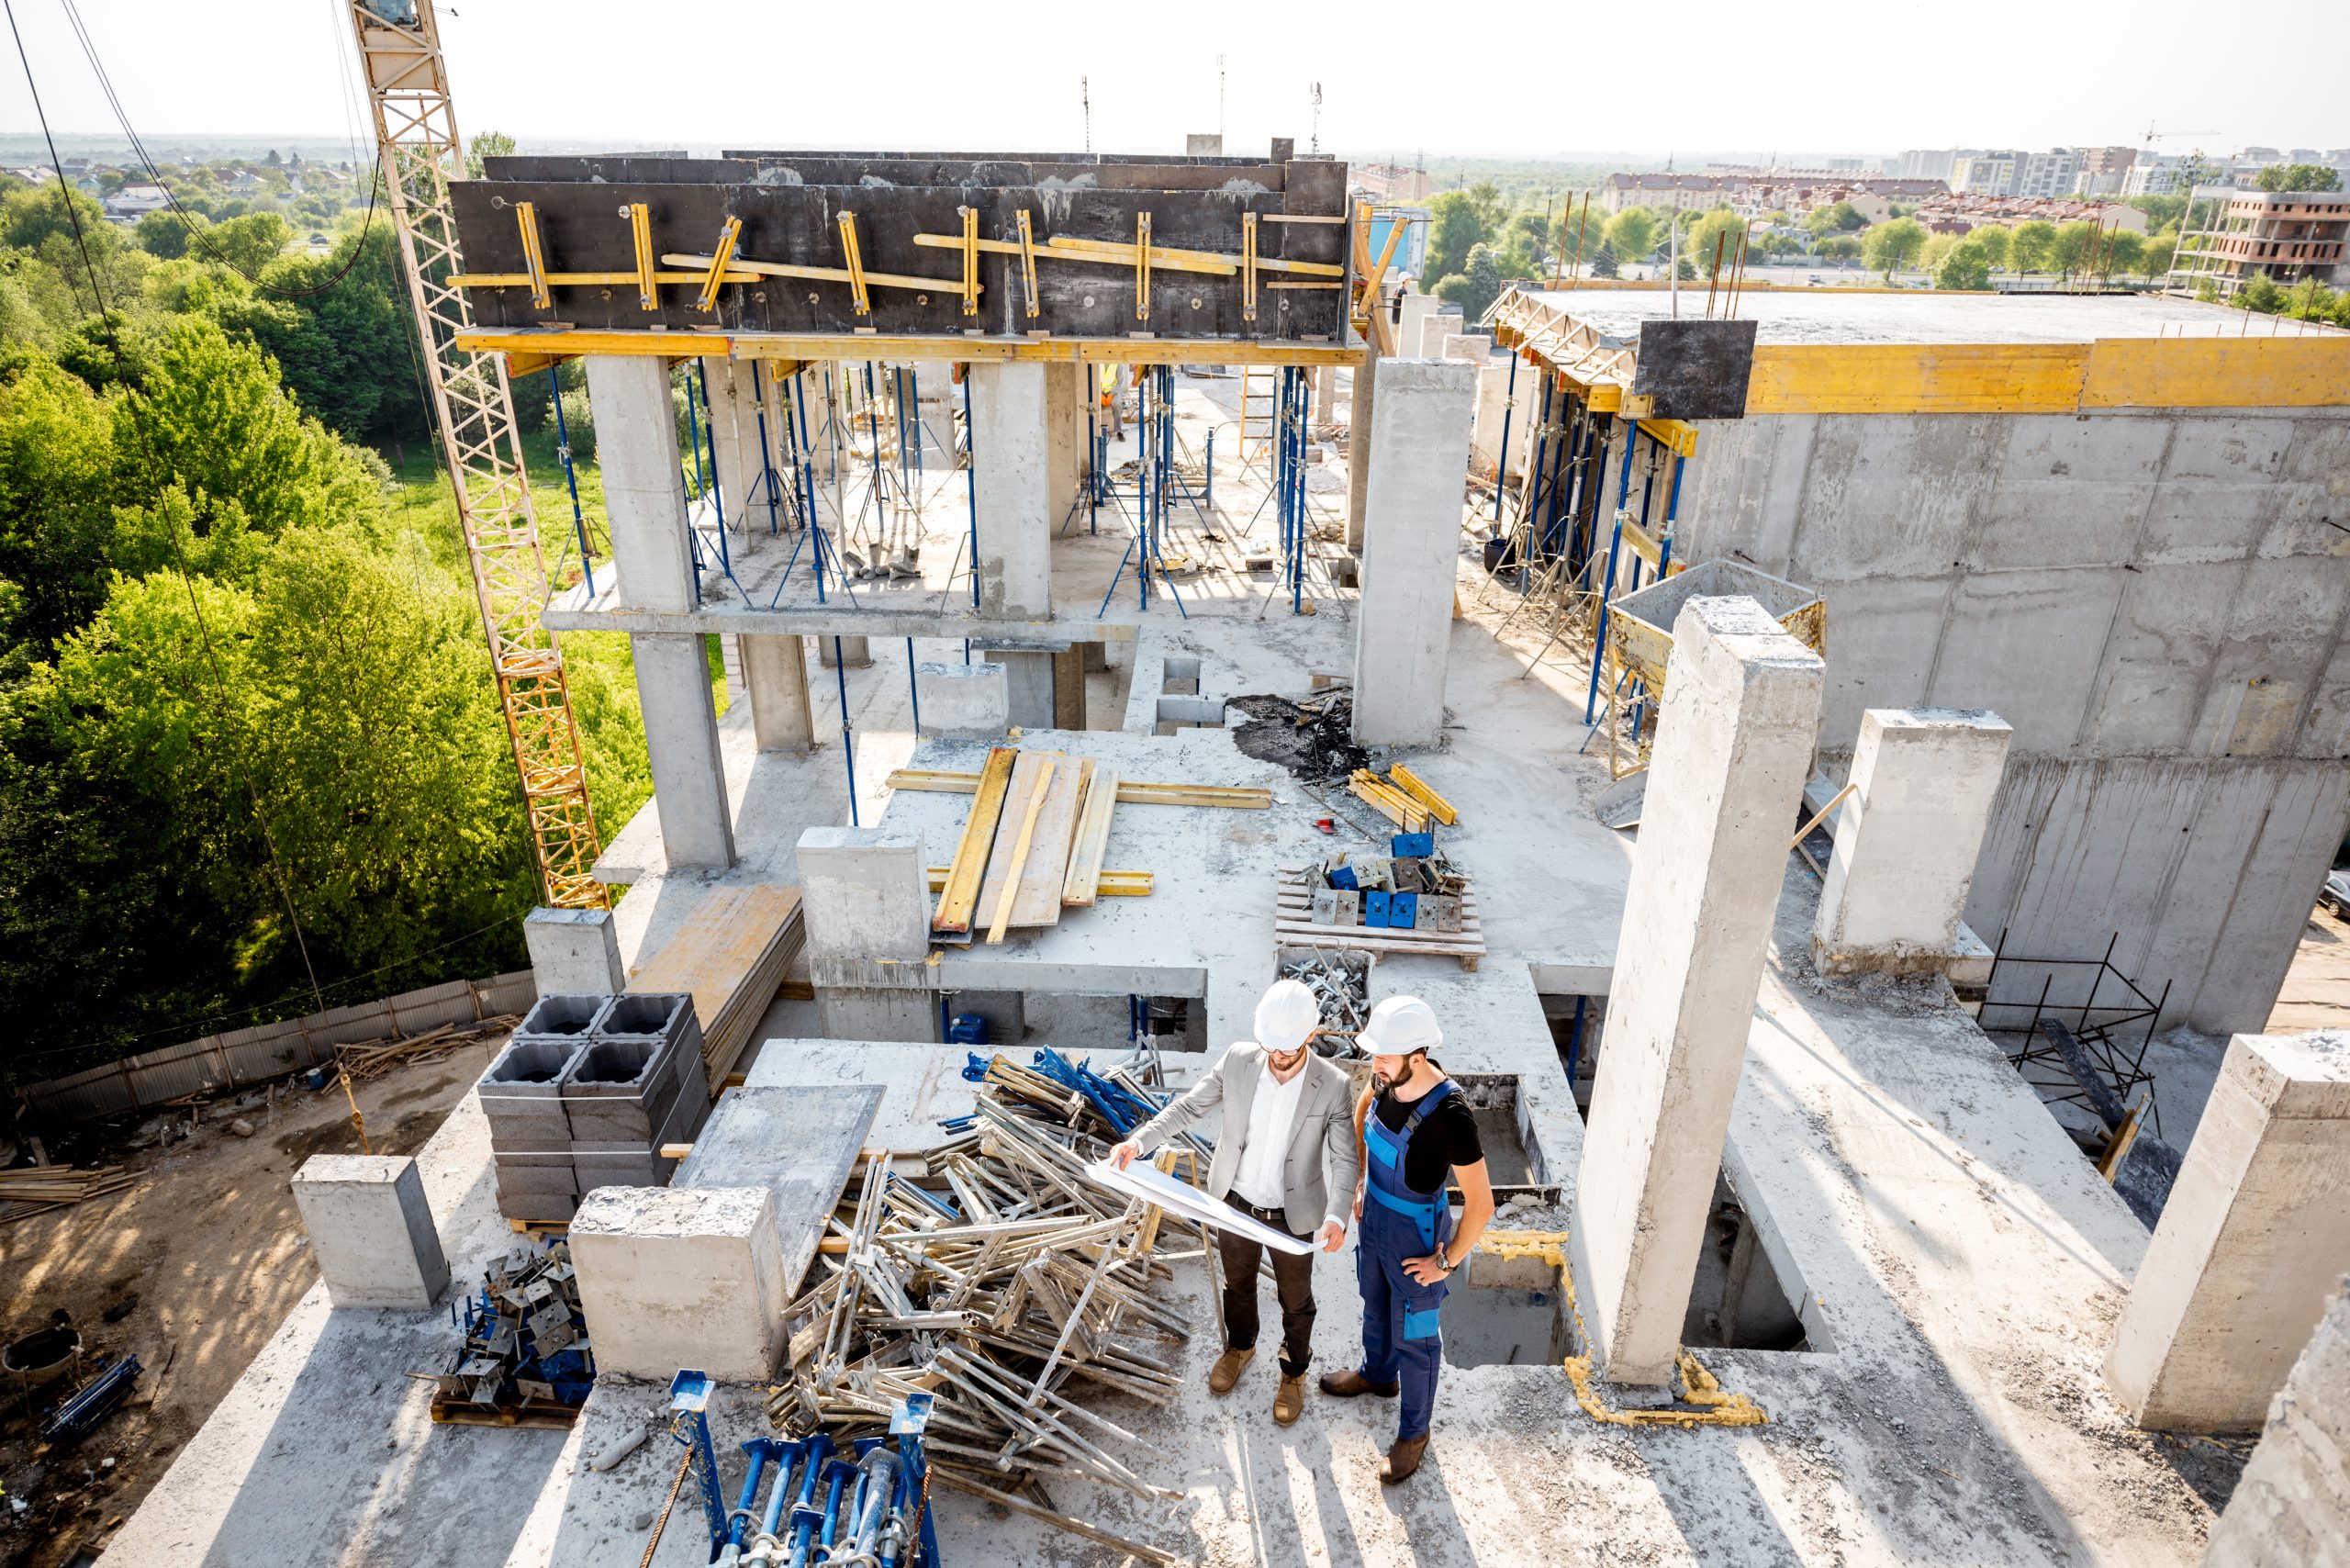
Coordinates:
(1953, 213)
(2284, 236)
(1930, 163)
(1391, 181)
(2103, 169)
(1753, 192)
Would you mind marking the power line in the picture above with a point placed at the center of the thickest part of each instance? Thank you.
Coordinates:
(179, 558)
(195, 235)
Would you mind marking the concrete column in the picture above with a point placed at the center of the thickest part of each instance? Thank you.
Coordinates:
(574, 951)
(1359, 419)
(965, 702)
(866, 901)
(644, 489)
(1436, 326)
(774, 678)
(1493, 408)
(1325, 395)
(1906, 840)
(2292, 1508)
(1064, 440)
(1417, 455)
(1028, 685)
(681, 739)
(2252, 1242)
(1734, 742)
(1012, 465)
(675, 1277)
(371, 1230)
(1417, 307)
(855, 652)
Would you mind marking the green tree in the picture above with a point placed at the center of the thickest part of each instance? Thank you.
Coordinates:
(1834, 219)
(164, 234)
(2155, 254)
(57, 491)
(1842, 247)
(1992, 240)
(2260, 293)
(2298, 177)
(2124, 253)
(1632, 233)
(343, 339)
(1474, 290)
(488, 144)
(1964, 265)
(1892, 245)
(2029, 246)
(245, 244)
(1454, 225)
(2161, 211)
(1713, 237)
(1603, 262)
(2074, 249)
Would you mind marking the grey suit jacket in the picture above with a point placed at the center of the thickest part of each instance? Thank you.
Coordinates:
(1323, 1162)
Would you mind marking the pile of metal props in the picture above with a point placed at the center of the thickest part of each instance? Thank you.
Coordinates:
(999, 1284)
(875, 1507)
(1340, 979)
(525, 1358)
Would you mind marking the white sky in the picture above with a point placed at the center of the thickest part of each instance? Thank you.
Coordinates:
(923, 74)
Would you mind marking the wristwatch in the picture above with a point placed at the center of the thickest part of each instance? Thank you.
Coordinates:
(1444, 1260)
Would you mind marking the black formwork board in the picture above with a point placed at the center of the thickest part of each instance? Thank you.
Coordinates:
(1694, 369)
(581, 204)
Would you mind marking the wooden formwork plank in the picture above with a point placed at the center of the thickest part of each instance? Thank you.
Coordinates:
(961, 895)
(1092, 841)
(1038, 901)
(729, 955)
(1003, 891)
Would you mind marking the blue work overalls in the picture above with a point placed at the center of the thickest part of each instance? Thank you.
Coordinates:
(1399, 1314)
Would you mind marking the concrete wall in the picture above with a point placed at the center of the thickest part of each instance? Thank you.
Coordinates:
(2154, 599)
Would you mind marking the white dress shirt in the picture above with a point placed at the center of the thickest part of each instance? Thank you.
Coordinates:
(1272, 1112)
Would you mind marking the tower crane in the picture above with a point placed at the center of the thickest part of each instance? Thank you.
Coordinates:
(420, 152)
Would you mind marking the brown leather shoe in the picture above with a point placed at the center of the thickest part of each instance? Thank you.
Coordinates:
(1227, 1371)
(1401, 1460)
(1289, 1400)
(1347, 1385)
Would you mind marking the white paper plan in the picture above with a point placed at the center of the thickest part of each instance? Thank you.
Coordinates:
(1186, 1202)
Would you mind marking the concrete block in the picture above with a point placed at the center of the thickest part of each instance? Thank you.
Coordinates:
(2291, 1508)
(801, 1141)
(532, 1066)
(969, 701)
(2254, 1240)
(371, 1230)
(1435, 327)
(1733, 749)
(1924, 781)
(644, 493)
(665, 1016)
(1417, 451)
(1361, 405)
(681, 741)
(673, 1278)
(573, 950)
(1474, 347)
(865, 896)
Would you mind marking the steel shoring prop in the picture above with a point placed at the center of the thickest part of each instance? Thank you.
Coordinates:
(1501, 451)
(715, 493)
(571, 481)
(767, 481)
(1607, 585)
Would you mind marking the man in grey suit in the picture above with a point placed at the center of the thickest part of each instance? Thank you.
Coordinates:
(1287, 1155)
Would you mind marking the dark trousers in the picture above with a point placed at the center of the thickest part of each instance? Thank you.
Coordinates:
(1292, 1282)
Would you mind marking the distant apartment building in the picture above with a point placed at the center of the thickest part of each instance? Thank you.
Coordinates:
(2104, 170)
(1391, 181)
(1953, 213)
(1751, 192)
(2284, 236)
(1930, 162)
(2013, 173)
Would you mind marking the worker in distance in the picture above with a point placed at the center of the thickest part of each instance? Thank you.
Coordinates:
(1417, 1132)
(1289, 1156)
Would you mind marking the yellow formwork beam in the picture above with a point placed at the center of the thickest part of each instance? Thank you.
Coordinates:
(563, 343)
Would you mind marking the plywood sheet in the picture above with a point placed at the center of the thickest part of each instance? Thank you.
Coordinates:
(1038, 901)
(729, 955)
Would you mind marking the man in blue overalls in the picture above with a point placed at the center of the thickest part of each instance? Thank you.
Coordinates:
(1417, 1130)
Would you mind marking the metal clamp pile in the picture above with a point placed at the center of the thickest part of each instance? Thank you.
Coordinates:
(999, 1284)
(1411, 888)
(1340, 979)
(526, 1341)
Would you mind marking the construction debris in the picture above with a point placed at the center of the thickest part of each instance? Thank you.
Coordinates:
(1313, 739)
(525, 1360)
(999, 1280)
(373, 1059)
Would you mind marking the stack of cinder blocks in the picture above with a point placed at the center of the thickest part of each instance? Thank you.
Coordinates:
(584, 1094)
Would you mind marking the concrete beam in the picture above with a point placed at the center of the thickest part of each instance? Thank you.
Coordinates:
(1416, 455)
(574, 951)
(1924, 781)
(2252, 1241)
(1013, 468)
(969, 702)
(681, 1277)
(1065, 450)
(644, 489)
(2291, 1508)
(681, 741)
(371, 1231)
(775, 679)
(1734, 742)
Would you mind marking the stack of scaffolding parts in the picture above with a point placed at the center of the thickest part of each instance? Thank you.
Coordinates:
(999, 1280)
(1410, 900)
(1340, 979)
(586, 1094)
(524, 1361)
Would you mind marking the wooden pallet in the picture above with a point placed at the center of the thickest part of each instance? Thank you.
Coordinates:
(536, 1414)
(538, 1228)
(1294, 924)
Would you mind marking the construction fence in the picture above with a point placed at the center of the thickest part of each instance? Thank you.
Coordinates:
(271, 1050)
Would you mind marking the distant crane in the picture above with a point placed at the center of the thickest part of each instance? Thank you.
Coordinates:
(419, 150)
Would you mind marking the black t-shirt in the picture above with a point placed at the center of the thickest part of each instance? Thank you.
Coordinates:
(1446, 1137)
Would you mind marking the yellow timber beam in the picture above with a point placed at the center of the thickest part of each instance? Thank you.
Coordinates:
(560, 343)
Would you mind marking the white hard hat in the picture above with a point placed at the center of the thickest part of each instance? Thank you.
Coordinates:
(1400, 1025)
(1286, 1015)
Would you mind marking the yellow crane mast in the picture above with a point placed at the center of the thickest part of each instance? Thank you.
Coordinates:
(416, 141)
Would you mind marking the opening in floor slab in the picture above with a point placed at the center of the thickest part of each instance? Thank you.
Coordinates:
(1578, 1022)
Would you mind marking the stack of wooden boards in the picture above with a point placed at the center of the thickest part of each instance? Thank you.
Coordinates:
(1034, 843)
(1402, 798)
(730, 956)
(373, 1059)
(36, 1189)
